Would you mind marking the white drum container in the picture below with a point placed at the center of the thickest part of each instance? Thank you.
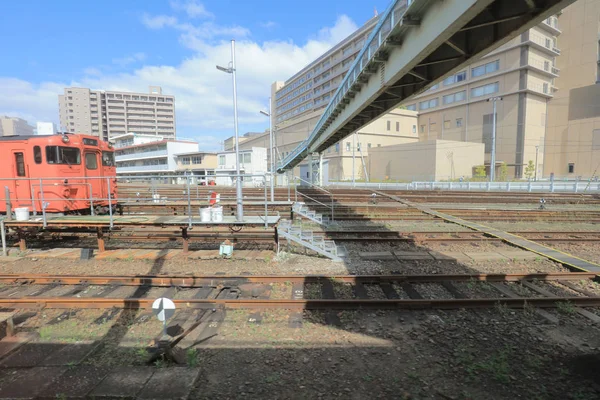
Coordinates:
(205, 214)
(217, 214)
(22, 213)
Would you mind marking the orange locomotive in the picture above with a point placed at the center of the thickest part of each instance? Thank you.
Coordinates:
(68, 173)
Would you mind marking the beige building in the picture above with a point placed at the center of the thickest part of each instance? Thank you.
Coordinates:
(572, 144)
(109, 114)
(13, 126)
(396, 127)
(425, 161)
(522, 72)
(198, 162)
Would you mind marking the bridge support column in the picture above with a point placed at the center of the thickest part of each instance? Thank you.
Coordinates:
(310, 168)
(320, 169)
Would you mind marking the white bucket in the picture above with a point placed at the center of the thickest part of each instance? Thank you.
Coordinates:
(217, 214)
(22, 213)
(205, 214)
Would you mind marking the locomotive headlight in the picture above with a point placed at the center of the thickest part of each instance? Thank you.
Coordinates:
(66, 181)
(65, 139)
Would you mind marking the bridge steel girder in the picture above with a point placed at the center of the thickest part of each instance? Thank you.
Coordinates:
(450, 35)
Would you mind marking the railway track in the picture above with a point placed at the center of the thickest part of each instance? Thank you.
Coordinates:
(357, 235)
(548, 290)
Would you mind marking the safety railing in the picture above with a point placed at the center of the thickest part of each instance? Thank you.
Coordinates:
(56, 196)
(388, 20)
(515, 186)
(297, 179)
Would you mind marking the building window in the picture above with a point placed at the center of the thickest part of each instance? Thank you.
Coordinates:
(422, 129)
(196, 160)
(247, 158)
(454, 97)
(596, 139)
(571, 168)
(447, 124)
(459, 122)
(397, 126)
(329, 150)
(358, 146)
(459, 77)
(222, 160)
(378, 144)
(432, 127)
(389, 125)
(414, 130)
(424, 105)
(37, 154)
(411, 107)
(347, 146)
(368, 145)
(337, 147)
(185, 160)
(485, 69)
(484, 90)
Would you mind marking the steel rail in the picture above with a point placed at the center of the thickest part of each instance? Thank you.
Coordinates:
(319, 304)
(221, 280)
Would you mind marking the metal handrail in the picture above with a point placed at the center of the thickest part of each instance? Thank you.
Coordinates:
(387, 21)
(316, 201)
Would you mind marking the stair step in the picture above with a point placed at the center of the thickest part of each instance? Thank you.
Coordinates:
(341, 251)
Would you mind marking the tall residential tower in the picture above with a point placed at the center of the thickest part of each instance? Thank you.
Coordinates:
(110, 113)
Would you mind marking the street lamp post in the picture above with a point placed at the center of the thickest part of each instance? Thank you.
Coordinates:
(231, 70)
(493, 155)
(272, 166)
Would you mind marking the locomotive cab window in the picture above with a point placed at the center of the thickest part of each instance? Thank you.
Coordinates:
(20, 162)
(108, 159)
(63, 155)
(37, 154)
(91, 161)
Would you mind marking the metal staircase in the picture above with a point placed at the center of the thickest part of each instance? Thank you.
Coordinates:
(300, 208)
(310, 240)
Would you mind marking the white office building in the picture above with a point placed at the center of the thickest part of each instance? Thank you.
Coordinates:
(252, 162)
(139, 154)
(45, 128)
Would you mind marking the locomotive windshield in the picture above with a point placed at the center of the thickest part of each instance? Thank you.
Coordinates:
(108, 159)
(63, 155)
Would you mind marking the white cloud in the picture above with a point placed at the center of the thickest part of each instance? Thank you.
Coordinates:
(158, 21)
(203, 94)
(124, 61)
(269, 24)
(193, 9)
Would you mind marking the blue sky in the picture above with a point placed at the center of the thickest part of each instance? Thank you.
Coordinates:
(128, 45)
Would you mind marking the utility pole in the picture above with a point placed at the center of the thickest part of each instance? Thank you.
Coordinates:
(493, 155)
(272, 169)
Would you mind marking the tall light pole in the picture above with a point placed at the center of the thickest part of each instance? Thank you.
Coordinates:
(231, 70)
(493, 155)
(272, 169)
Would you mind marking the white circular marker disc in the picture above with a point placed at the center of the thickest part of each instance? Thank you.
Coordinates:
(163, 308)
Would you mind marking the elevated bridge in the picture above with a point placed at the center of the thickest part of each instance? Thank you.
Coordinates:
(416, 44)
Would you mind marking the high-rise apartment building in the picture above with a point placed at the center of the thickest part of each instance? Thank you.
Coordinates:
(13, 126)
(110, 113)
(310, 89)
